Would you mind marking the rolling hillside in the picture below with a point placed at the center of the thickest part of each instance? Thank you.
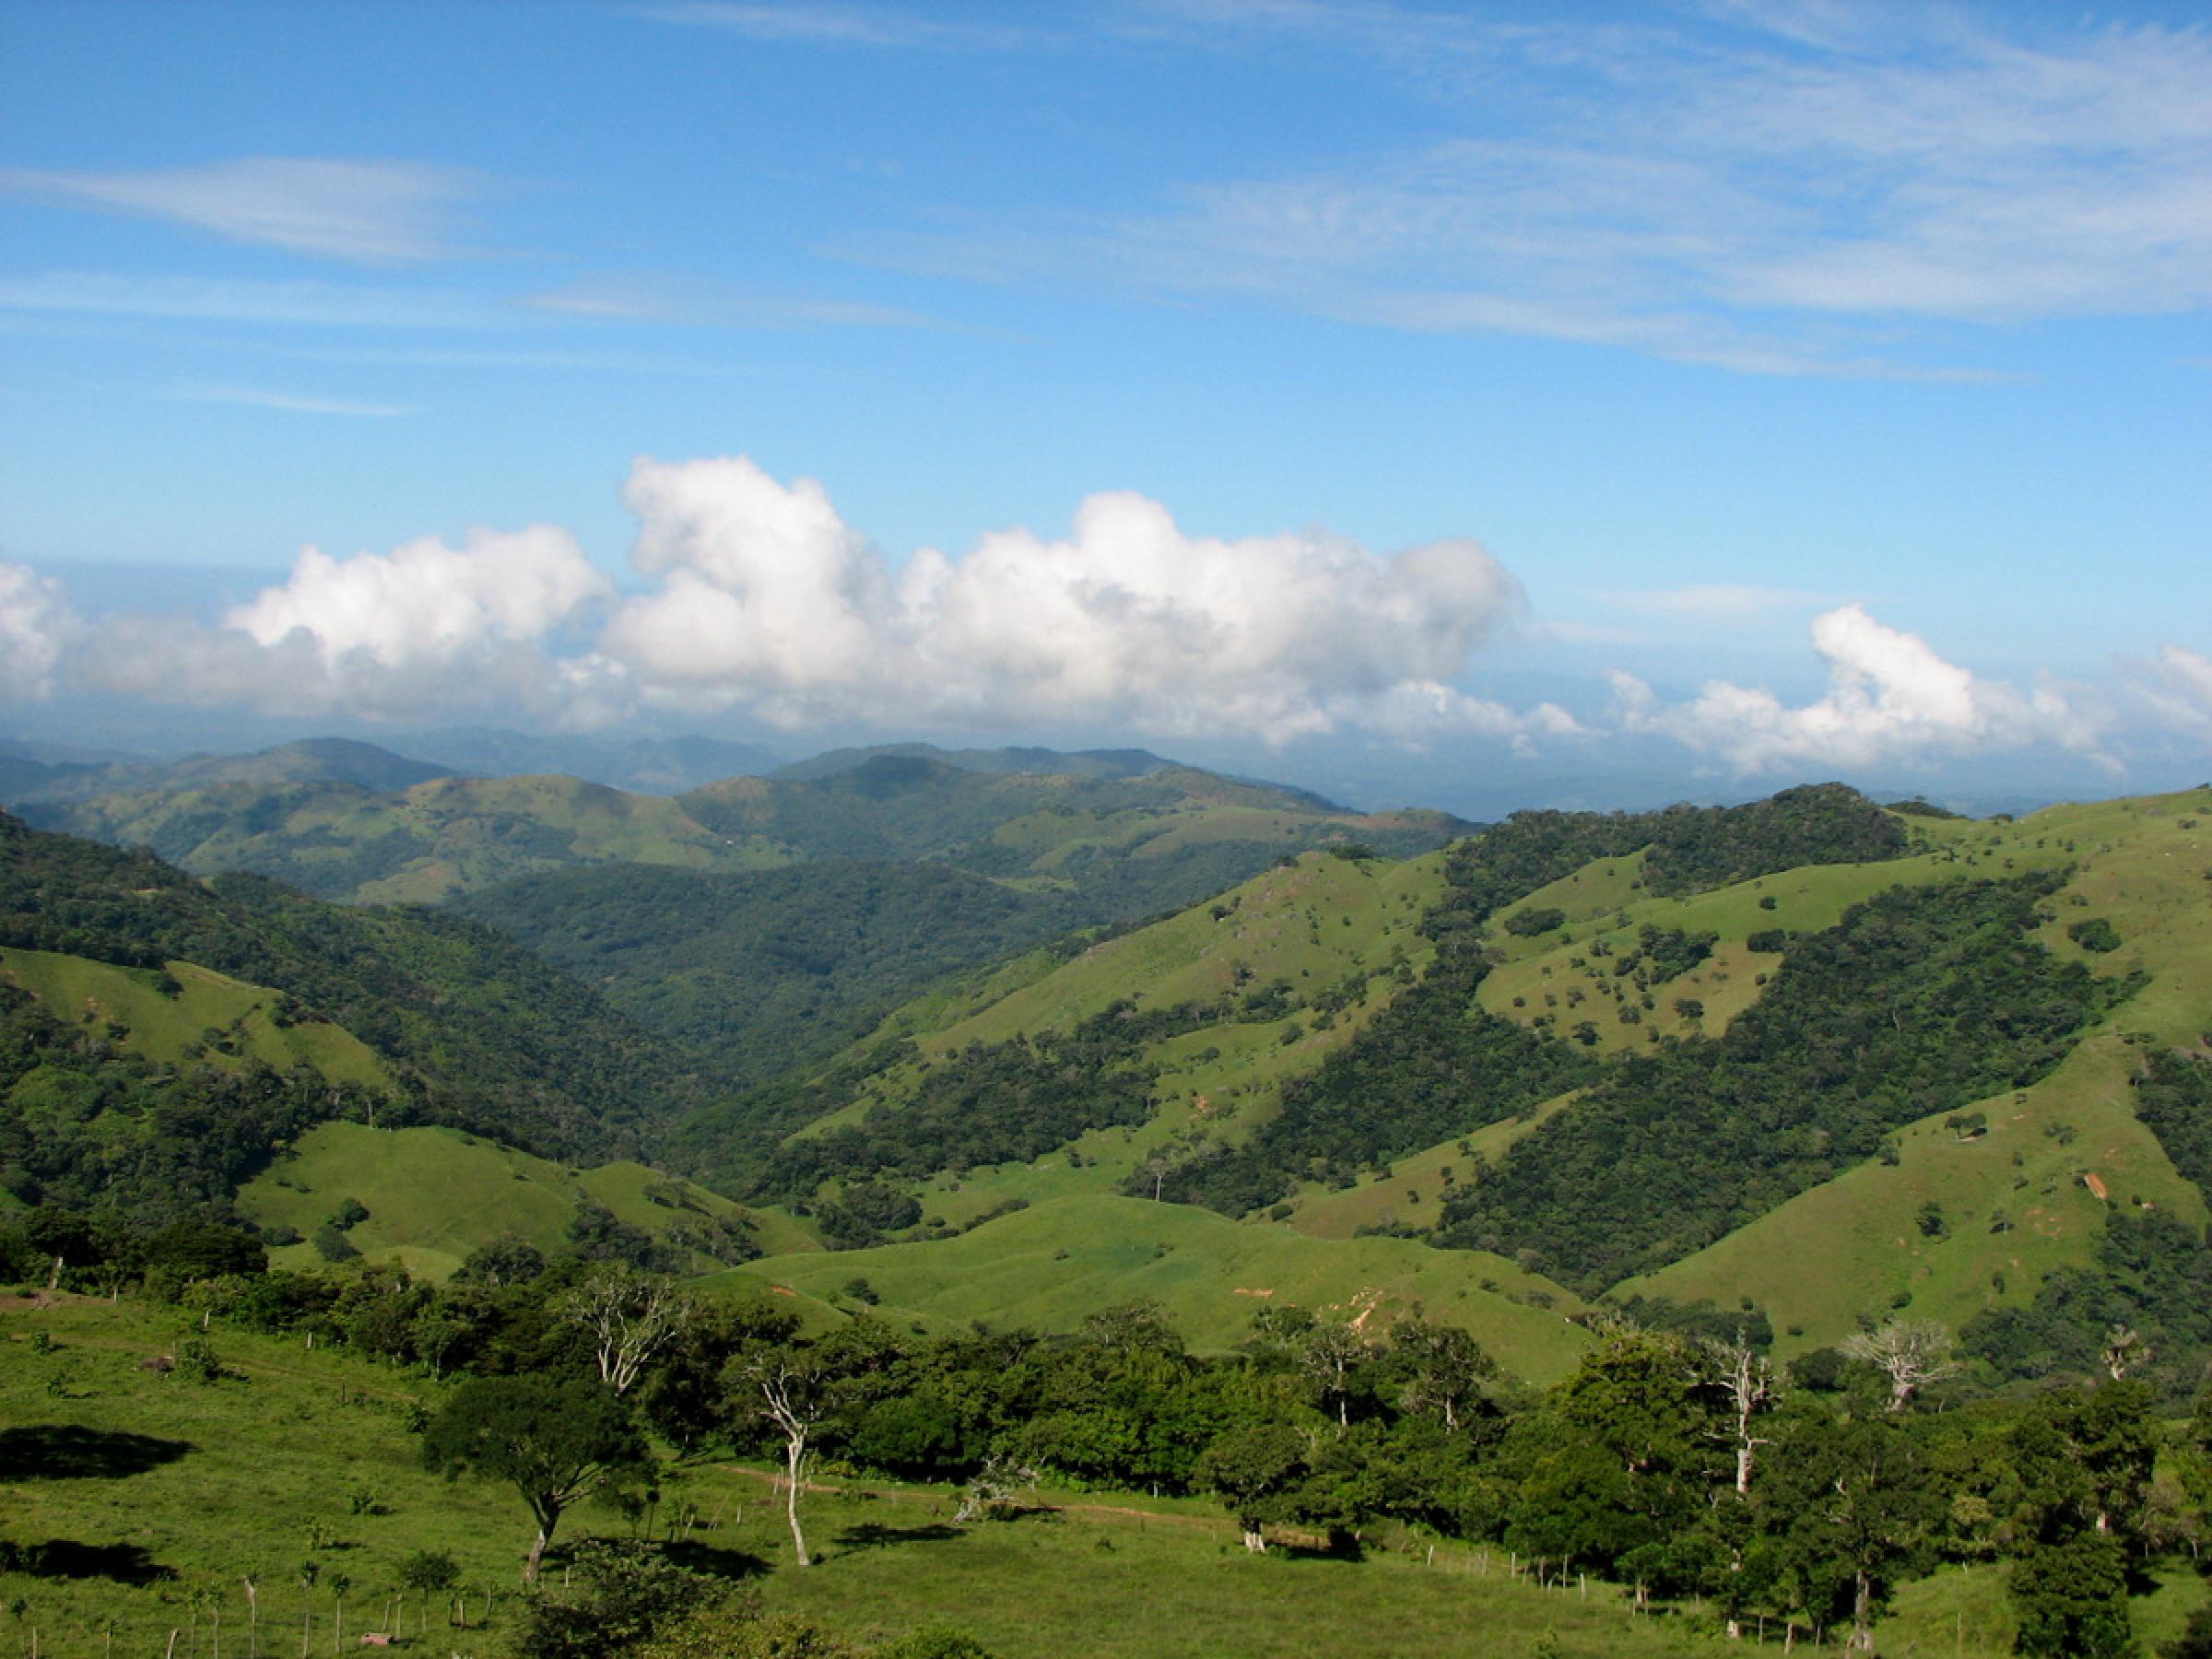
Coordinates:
(139, 1000)
(1330, 1043)
(1131, 840)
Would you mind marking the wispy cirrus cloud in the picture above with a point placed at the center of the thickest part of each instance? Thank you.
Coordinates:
(836, 26)
(246, 300)
(293, 403)
(700, 301)
(1771, 191)
(359, 212)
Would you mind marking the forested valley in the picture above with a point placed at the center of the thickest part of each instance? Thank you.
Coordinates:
(1608, 1231)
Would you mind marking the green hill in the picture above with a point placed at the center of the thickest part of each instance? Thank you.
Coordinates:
(1699, 1056)
(1049, 1266)
(433, 1195)
(240, 991)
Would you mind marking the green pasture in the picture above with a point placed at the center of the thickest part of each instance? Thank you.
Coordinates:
(212, 1019)
(434, 1195)
(1048, 1266)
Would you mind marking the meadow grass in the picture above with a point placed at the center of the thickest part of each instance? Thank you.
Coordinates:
(78, 990)
(1048, 1266)
(433, 1195)
(150, 1496)
(297, 1456)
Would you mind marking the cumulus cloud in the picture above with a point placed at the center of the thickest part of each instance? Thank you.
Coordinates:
(422, 627)
(1891, 698)
(757, 596)
(36, 626)
(2179, 687)
(769, 599)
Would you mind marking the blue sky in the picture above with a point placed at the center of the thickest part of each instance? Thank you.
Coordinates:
(1698, 397)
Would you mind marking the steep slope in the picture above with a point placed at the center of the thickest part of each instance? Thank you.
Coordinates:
(757, 973)
(465, 1027)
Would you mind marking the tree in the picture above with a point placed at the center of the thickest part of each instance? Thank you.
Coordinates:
(1856, 1512)
(1912, 1353)
(1327, 1356)
(790, 1387)
(427, 1572)
(2072, 1599)
(1253, 1470)
(1746, 1380)
(630, 1317)
(554, 1441)
(1442, 1370)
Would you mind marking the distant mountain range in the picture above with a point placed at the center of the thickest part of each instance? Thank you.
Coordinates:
(348, 821)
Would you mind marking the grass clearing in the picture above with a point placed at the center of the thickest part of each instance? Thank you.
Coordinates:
(433, 1195)
(1049, 1266)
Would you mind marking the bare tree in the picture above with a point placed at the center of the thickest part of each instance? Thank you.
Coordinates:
(1912, 1353)
(2124, 1350)
(630, 1316)
(791, 1388)
(992, 1486)
(1328, 1353)
(1746, 1379)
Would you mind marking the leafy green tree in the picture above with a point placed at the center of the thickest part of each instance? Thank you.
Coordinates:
(1440, 1369)
(1855, 1513)
(554, 1440)
(622, 1593)
(1619, 1459)
(1253, 1471)
(2072, 1599)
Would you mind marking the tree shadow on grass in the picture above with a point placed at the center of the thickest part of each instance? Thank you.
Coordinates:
(873, 1535)
(713, 1561)
(67, 1452)
(67, 1559)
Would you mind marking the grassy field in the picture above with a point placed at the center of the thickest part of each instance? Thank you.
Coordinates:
(170, 1029)
(154, 1496)
(149, 1497)
(435, 1195)
(1048, 1266)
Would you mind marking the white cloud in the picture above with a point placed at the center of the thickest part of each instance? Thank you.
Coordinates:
(293, 403)
(424, 603)
(2180, 687)
(364, 212)
(226, 300)
(424, 628)
(769, 599)
(761, 597)
(36, 629)
(1890, 700)
(1766, 191)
